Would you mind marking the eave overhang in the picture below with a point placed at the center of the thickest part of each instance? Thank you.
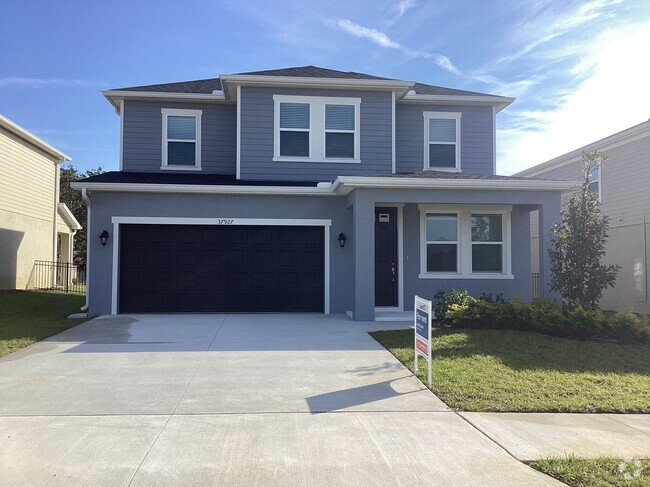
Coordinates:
(340, 187)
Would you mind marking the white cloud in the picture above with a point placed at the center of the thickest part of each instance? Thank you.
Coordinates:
(382, 40)
(612, 96)
(19, 82)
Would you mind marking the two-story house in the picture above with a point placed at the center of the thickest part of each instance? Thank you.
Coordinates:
(622, 186)
(307, 189)
(34, 224)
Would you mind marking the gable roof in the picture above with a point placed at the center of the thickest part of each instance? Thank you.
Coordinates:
(625, 136)
(210, 85)
(32, 139)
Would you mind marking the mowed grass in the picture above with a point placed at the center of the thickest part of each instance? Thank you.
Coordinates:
(27, 317)
(600, 472)
(501, 370)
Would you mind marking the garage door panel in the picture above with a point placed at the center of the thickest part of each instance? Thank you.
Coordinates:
(178, 268)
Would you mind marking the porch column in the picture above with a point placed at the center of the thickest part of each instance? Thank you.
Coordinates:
(363, 220)
(549, 215)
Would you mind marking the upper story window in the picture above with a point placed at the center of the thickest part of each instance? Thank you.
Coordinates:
(442, 141)
(181, 138)
(465, 242)
(316, 129)
(594, 181)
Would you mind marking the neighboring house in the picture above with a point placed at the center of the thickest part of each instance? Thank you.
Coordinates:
(622, 184)
(306, 189)
(33, 224)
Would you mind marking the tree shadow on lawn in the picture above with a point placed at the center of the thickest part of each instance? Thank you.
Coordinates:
(532, 351)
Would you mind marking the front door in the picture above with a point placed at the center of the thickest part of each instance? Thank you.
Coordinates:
(386, 257)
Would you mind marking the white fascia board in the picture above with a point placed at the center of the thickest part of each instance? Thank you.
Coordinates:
(202, 189)
(625, 137)
(347, 183)
(500, 102)
(65, 213)
(32, 139)
(114, 96)
(295, 81)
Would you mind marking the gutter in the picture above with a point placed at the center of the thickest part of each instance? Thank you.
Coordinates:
(343, 185)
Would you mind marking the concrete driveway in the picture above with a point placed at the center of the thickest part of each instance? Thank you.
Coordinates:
(232, 400)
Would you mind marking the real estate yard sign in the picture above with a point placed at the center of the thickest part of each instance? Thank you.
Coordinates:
(423, 332)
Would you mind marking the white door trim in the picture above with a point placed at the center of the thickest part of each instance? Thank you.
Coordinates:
(146, 220)
(400, 257)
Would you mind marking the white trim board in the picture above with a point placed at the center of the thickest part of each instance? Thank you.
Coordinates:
(226, 221)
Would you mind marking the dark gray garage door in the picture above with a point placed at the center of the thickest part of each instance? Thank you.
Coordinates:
(197, 268)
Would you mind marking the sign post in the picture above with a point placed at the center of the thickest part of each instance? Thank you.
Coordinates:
(422, 322)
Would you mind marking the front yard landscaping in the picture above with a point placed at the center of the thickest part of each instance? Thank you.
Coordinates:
(27, 317)
(600, 472)
(505, 370)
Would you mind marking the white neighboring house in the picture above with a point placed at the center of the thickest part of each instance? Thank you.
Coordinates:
(34, 225)
(623, 186)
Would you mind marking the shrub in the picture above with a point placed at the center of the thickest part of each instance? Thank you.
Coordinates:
(543, 315)
(629, 327)
(443, 302)
(582, 323)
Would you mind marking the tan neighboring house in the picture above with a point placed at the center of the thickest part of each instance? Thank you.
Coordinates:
(623, 186)
(34, 225)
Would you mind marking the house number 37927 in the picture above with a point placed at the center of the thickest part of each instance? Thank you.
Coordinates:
(225, 221)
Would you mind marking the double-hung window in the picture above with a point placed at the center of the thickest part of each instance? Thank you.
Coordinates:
(294, 129)
(181, 137)
(316, 129)
(441, 242)
(487, 243)
(442, 141)
(465, 242)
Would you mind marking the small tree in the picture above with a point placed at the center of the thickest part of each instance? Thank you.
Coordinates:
(72, 198)
(578, 244)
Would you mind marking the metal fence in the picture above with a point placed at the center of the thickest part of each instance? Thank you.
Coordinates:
(59, 276)
(534, 282)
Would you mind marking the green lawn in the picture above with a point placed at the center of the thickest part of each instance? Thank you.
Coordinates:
(501, 370)
(601, 472)
(27, 317)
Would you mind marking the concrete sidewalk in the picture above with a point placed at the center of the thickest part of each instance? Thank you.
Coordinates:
(532, 436)
(232, 400)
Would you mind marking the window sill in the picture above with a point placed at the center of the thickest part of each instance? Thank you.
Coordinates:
(180, 168)
(465, 276)
(443, 169)
(313, 160)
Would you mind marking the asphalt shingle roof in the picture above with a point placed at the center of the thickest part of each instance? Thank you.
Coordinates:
(207, 86)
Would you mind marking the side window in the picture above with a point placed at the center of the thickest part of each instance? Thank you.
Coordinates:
(442, 141)
(487, 243)
(181, 139)
(294, 129)
(442, 243)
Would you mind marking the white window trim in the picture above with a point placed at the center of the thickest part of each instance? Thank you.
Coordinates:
(317, 128)
(144, 220)
(464, 241)
(166, 112)
(447, 116)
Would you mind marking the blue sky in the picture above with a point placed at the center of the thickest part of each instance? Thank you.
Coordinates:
(580, 70)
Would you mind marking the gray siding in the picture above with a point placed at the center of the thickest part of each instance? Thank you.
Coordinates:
(257, 137)
(476, 137)
(351, 268)
(142, 142)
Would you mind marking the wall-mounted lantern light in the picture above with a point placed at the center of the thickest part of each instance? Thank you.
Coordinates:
(342, 239)
(103, 237)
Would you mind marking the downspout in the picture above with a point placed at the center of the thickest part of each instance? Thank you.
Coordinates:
(57, 182)
(86, 198)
